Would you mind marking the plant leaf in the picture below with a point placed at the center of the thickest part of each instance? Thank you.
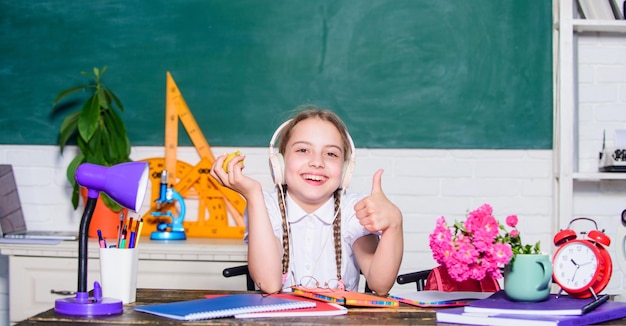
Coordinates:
(88, 118)
(110, 203)
(68, 128)
(103, 101)
(112, 97)
(67, 92)
(71, 177)
(119, 143)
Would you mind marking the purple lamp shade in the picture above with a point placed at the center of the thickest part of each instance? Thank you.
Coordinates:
(126, 183)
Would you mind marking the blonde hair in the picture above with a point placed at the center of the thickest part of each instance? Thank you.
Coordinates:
(310, 111)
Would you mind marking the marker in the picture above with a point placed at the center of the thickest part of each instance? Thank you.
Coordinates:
(103, 243)
(131, 241)
(123, 242)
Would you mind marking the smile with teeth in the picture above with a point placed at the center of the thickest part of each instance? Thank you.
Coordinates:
(314, 177)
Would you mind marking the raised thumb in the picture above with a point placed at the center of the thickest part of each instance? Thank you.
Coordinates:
(377, 182)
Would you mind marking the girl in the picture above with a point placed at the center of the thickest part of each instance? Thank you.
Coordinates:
(309, 229)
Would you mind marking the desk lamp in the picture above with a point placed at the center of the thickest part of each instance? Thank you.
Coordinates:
(126, 184)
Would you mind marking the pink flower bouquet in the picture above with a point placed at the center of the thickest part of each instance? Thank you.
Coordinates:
(476, 249)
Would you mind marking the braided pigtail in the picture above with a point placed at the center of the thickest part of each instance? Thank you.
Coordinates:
(283, 213)
(337, 233)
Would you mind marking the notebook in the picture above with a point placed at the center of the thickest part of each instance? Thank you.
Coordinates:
(498, 303)
(12, 223)
(223, 306)
(320, 309)
(432, 298)
(607, 311)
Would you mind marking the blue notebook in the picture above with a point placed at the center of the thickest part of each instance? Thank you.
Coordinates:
(222, 306)
(607, 311)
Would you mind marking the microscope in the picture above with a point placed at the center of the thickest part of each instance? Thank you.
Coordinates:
(167, 196)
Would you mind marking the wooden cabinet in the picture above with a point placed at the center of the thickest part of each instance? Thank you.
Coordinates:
(36, 270)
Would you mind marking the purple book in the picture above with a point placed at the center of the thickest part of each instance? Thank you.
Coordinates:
(607, 311)
(498, 303)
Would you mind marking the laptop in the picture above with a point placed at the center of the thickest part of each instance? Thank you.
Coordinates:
(12, 223)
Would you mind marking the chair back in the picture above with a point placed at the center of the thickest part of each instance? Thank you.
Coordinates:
(440, 280)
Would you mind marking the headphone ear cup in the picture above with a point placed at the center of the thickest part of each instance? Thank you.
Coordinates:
(347, 174)
(277, 166)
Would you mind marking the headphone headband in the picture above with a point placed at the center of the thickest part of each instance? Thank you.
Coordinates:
(277, 162)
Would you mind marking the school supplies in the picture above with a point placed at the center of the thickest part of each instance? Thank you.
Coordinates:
(434, 298)
(320, 309)
(218, 202)
(607, 311)
(223, 306)
(498, 303)
(344, 297)
(128, 233)
(118, 273)
(101, 241)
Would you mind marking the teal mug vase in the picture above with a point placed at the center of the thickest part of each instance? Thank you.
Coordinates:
(528, 278)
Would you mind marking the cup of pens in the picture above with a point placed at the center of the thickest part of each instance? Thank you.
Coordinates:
(118, 273)
(118, 266)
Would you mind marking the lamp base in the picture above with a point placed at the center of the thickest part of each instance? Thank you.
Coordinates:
(83, 305)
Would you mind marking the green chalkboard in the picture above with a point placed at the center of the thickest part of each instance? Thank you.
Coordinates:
(401, 73)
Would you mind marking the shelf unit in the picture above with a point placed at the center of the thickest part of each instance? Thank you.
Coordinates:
(565, 104)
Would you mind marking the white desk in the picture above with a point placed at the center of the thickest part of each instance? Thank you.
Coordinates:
(195, 263)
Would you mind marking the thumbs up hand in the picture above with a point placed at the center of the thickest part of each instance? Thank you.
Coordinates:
(376, 212)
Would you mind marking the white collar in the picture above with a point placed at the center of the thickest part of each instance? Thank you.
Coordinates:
(326, 212)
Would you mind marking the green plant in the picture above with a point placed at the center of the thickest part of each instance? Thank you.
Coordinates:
(97, 128)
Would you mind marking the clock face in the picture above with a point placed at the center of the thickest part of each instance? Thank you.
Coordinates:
(576, 266)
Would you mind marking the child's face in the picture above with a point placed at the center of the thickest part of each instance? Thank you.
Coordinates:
(313, 162)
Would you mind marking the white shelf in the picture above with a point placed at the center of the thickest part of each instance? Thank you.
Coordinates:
(595, 176)
(605, 26)
(566, 121)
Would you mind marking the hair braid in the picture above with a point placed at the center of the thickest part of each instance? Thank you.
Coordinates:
(337, 232)
(283, 213)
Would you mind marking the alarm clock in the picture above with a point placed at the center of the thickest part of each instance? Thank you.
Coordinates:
(582, 267)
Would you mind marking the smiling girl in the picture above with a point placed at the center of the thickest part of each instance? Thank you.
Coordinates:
(309, 231)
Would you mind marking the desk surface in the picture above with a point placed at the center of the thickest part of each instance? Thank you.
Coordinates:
(405, 315)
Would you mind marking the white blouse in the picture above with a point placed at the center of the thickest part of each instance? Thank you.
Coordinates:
(312, 249)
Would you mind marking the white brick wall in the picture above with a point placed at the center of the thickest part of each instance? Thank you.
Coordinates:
(425, 184)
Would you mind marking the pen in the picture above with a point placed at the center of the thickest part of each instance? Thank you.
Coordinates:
(103, 243)
(595, 303)
(119, 228)
(131, 241)
(139, 231)
(130, 224)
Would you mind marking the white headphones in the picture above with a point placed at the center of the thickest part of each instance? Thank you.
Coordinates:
(277, 162)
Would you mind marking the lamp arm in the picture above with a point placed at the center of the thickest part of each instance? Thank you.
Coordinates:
(90, 206)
